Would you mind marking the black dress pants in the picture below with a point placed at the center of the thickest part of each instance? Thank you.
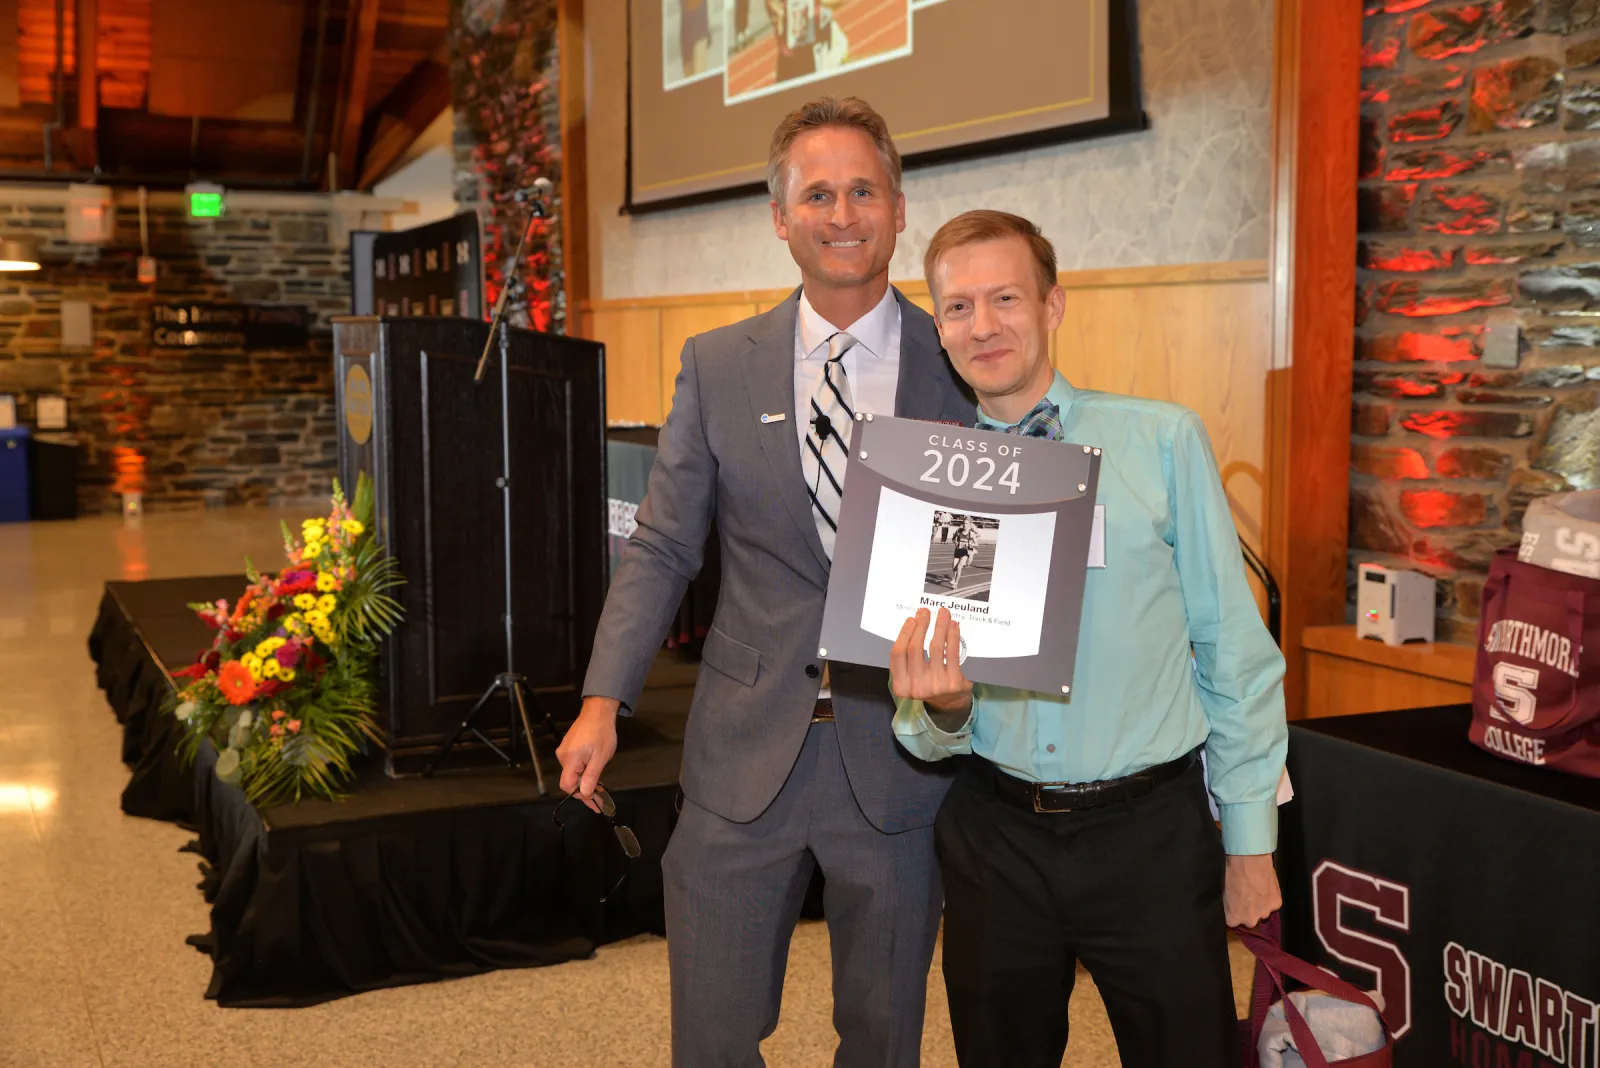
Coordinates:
(1133, 890)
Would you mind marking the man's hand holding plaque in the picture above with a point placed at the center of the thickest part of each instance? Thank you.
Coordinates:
(933, 677)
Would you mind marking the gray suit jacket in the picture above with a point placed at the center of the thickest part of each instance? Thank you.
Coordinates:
(760, 675)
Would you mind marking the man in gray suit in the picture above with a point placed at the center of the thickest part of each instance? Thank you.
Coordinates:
(788, 762)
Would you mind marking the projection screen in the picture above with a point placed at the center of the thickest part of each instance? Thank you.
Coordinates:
(709, 79)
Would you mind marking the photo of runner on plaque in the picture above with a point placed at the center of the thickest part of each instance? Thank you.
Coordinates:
(996, 528)
(961, 555)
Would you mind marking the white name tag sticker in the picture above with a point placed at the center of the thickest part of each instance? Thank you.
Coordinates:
(1097, 538)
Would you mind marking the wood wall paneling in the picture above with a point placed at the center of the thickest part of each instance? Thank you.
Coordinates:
(1198, 334)
(681, 322)
(1203, 345)
(632, 337)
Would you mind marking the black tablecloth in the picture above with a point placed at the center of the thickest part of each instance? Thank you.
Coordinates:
(131, 667)
(1464, 887)
(630, 454)
(405, 881)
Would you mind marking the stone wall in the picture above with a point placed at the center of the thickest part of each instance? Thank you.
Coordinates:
(1477, 362)
(190, 428)
(505, 77)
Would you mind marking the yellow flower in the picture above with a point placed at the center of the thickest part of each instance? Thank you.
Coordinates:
(286, 675)
(313, 527)
(251, 661)
(256, 669)
(305, 601)
(268, 646)
(316, 618)
(327, 603)
(353, 527)
(326, 582)
(313, 550)
(270, 668)
(293, 624)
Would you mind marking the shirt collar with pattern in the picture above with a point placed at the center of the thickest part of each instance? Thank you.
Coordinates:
(1060, 393)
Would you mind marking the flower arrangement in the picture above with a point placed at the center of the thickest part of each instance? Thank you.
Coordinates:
(286, 690)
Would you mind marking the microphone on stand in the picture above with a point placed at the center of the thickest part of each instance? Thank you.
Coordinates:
(543, 192)
(543, 189)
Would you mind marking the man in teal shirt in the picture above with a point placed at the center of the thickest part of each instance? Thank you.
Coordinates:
(1080, 829)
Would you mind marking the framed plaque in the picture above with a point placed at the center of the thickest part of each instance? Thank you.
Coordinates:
(994, 527)
(432, 270)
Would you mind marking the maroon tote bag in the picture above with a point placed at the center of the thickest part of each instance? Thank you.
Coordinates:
(1536, 682)
(1272, 965)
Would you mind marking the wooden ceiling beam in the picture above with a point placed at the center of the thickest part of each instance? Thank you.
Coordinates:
(83, 141)
(355, 76)
(405, 113)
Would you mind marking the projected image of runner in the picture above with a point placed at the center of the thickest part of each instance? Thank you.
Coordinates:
(961, 551)
(691, 41)
(780, 44)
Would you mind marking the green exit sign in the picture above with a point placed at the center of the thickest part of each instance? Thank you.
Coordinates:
(205, 205)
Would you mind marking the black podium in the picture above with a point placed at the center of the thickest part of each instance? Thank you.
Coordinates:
(429, 437)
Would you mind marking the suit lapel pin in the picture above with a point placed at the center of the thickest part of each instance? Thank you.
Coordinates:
(774, 417)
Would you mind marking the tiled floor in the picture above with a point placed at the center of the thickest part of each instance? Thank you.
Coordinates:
(95, 905)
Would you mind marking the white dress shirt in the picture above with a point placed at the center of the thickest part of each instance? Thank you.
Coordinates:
(872, 366)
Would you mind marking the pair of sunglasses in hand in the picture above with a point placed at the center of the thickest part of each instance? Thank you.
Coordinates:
(623, 834)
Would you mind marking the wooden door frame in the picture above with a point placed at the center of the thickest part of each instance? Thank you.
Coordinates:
(1316, 120)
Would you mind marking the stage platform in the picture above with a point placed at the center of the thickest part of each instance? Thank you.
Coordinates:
(407, 880)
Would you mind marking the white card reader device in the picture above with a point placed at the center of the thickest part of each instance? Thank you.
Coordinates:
(1394, 605)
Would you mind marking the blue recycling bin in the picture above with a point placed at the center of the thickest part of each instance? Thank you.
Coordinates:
(14, 475)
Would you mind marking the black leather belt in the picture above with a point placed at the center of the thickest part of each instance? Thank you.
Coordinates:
(823, 713)
(1071, 797)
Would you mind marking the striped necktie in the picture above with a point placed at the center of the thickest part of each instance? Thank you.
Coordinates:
(827, 440)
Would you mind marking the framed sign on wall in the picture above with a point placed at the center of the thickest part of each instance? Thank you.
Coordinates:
(709, 79)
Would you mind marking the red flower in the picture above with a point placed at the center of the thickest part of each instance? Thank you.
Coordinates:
(292, 582)
(193, 671)
(270, 688)
(213, 660)
(275, 611)
(288, 655)
(236, 683)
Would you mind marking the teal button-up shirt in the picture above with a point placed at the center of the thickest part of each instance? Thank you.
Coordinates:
(1174, 583)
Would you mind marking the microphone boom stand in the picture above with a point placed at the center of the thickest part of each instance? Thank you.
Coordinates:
(509, 682)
